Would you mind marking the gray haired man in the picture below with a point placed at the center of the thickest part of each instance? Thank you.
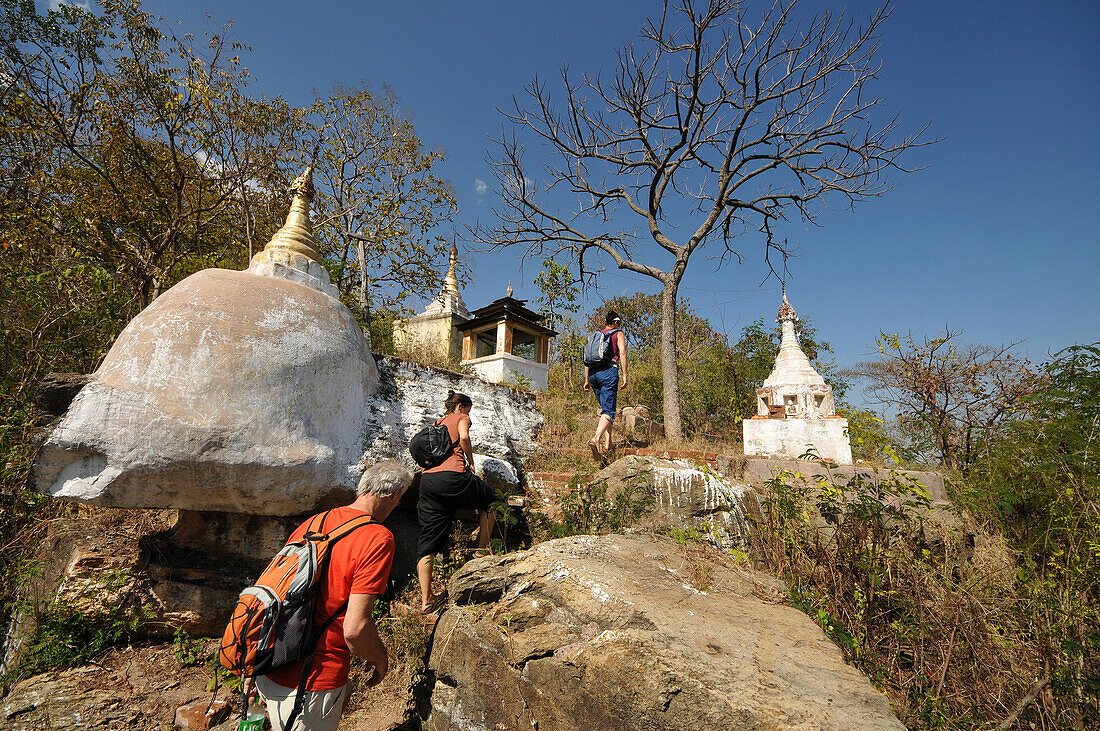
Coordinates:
(358, 571)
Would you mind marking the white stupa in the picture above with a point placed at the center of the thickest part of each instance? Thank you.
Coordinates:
(434, 332)
(795, 411)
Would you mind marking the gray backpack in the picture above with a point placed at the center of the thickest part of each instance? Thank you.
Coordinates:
(597, 352)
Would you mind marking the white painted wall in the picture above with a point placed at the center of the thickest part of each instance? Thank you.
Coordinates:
(789, 438)
(504, 367)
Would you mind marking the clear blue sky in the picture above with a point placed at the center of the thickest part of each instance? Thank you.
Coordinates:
(998, 236)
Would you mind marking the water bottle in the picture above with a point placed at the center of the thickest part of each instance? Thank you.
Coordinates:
(254, 719)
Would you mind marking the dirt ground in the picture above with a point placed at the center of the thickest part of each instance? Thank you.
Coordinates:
(140, 687)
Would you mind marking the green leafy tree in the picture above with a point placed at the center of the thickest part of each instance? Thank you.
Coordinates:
(558, 291)
(138, 126)
(1041, 482)
(379, 199)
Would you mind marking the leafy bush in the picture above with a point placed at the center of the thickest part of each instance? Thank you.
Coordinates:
(77, 629)
(1041, 485)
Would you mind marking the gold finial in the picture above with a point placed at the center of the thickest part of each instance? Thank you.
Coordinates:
(297, 233)
(451, 282)
(509, 289)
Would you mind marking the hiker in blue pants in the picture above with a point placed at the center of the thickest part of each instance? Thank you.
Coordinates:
(604, 379)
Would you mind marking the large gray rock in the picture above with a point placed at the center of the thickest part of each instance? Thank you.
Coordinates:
(232, 391)
(631, 632)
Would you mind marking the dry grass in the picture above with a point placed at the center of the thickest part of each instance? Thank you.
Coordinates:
(571, 419)
(926, 607)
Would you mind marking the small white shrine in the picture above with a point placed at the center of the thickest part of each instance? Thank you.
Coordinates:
(503, 342)
(794, 407)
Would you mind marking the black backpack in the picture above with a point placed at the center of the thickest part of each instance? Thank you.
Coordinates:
(432, 445)
(597, 351)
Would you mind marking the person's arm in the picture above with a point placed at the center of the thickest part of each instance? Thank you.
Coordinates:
(464, 442)
(361, 635)
(587, 385)
(621, 340)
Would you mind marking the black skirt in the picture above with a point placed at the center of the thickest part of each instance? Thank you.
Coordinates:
(442, 494)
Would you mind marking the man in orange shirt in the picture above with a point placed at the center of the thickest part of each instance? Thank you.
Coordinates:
(359, 568)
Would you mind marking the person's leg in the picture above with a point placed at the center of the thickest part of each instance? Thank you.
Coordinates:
(594, 442)
(424, 576)
(320, 711)
(610, 404)
(487, 519)
(603, 427)
(606, 385)
(435, 525)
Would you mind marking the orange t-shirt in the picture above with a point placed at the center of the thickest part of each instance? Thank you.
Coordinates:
(359, 563)
(457, 461)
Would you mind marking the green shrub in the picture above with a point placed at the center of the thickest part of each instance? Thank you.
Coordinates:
(75, 630)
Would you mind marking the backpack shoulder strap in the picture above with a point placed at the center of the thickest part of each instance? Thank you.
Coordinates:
(316, 526)
(349, 525)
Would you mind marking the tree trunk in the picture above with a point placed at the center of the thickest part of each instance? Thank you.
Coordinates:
(364, 303)
(669, 372)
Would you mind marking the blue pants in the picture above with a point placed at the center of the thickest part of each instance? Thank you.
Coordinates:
(605, 384)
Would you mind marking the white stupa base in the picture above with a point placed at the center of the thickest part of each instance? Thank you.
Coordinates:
(791, 438)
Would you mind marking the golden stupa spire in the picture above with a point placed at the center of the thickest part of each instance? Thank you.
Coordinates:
(450, 284)
(297, 233)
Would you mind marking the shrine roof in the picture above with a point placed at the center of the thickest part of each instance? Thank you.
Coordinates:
(510, 309)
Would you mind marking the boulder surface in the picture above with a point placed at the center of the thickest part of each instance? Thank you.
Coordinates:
(680, 494)
(230, 392)
(633, 632)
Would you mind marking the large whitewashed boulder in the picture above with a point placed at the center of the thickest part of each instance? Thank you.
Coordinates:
(255, 392)
(232, 391)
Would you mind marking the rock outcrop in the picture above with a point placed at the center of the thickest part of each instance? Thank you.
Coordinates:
(631, 632)
(684, 495)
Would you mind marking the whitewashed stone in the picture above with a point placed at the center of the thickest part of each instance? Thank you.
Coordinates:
(791, 438)
(503, 421)
(116, 447)
(496, 472)
(684, 496)
(232, 392)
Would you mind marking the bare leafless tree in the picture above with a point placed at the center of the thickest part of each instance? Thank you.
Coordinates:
(718, 123)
